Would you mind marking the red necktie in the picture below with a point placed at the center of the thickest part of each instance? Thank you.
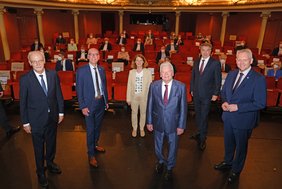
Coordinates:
(166, 95)
(202, 67)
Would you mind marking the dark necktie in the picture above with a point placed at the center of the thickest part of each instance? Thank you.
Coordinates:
(166, 95)
(97, 84)
(238, 82)
(202, 67)
(43, 85)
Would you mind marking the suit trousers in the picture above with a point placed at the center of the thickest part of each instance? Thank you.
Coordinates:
(172, 139)
(4, 119)
(202, 108)
(93, 125)
(138, 102)
(45, 140)
(236, 146)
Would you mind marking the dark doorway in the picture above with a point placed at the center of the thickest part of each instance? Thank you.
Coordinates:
(108, 22)
(188, 22)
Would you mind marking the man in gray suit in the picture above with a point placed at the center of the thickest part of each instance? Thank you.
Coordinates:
(166, 115)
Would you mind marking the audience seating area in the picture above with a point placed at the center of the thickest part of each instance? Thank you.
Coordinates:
(117, 81)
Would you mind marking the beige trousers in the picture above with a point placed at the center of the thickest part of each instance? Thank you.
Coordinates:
(138, 102)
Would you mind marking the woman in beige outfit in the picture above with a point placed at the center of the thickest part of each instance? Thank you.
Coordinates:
(139, 80)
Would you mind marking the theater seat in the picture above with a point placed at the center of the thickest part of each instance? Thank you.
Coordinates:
(272, 98)
(270, 82)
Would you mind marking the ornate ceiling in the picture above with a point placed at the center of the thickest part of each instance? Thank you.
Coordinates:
(152, 5)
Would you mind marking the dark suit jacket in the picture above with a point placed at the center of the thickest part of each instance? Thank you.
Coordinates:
(1, 89)
(68, 66)
(141, 47)
(168, 48)
(275, 51)
(123, 40)
(85, 87)
(60, 40)
(32, 47)
(78, 54)
(167, 118)
(207, 84)
(34, 104)
(250, 97)
(159, 55)
(109, 48)
(227, 68)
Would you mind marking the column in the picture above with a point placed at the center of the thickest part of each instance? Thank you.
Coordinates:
(223, 27)
(39, 12)
(177, 16)
(265, 15)
(5, 44)
(120, 13)
(76, 30)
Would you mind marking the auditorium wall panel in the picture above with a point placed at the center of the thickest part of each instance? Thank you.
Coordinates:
(57, 21)
(89, 22)
(244, 24)
(209, 24)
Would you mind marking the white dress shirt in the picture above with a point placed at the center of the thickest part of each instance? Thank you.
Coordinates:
(205, 63)
(94, 79)
(243, 77)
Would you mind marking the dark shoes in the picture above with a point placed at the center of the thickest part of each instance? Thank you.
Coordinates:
(159, 168)
(43, 182)
(233, 177)
(100, 149)
(12, 131)
(54, 168)
(222, 166)
(168, 175)
(202, 145)
(195, 136)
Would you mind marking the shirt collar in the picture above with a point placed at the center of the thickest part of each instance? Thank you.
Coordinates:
(169, 84)
(91, 66)
(246, 71)
(38, 75)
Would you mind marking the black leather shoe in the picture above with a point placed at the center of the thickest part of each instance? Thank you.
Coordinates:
(12, 131)
(42, 180)
(159, 168)
(222, 166)
(54, 168)
(202, 145)
(233, 177)
(168, 175)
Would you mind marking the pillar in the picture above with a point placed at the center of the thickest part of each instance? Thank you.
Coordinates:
(223, 27)
(76, 29)
(265, 16)
(121, 21)
(39, 12)
(177, 16)
(5, 44)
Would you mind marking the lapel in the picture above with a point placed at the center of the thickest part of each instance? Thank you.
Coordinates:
(244, 82)
(159, 92)
(207, 66)
(48, 76)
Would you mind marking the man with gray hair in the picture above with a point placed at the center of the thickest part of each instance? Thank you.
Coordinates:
(166, 116)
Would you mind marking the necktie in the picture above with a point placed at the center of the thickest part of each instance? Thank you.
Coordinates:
(166, 95)
(97, 84)
(202, 67)
(238, 82)
(43, 85)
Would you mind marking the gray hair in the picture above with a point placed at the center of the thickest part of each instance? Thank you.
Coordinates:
(166, 64)
(34, 52)
(247, 51)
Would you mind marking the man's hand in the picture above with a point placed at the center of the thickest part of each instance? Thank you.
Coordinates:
(60, 119)
(107, 106)
(150, 127)
(179, 131)
(85, 111)
(233, 107)
(214, 98)
(27, 129)
(1, 94)
(224, 106)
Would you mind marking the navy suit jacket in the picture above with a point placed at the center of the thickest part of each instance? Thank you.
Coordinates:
(85, 87)
(167, 118)
(207, 84)
(68, 65)
(250, 97)
(34, 104)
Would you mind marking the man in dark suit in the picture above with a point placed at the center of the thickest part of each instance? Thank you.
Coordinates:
(166, 115)
(92, 96)
(41, 107)
(205, 87)
(36, 46)
(243, 96)
(161, 55)
(63, 64)
(277, 51)
(138, 46)
(121, 39)
(105, 47)
(81, 56)
(4, 120)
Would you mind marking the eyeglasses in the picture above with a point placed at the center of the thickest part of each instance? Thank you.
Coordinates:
(93, 54)
(37, 62)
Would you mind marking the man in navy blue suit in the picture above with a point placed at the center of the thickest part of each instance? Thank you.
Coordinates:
(42, 109)
(63, 64)
(166, 115)
(92, 96)
(243, 96)
(205, 87)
